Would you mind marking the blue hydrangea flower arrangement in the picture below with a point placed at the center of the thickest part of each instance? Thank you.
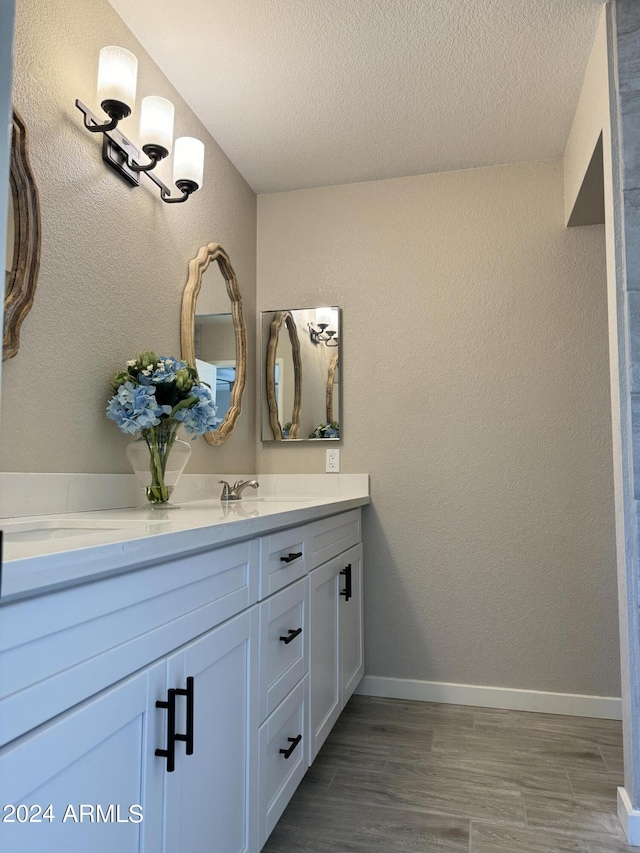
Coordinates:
(155, 396)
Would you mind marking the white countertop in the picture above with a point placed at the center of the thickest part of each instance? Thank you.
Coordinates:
(70, 548)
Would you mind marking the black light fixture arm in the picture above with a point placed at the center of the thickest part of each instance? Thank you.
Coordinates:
(185, 187)
(100, 128)
(155, 153)
(116, 111)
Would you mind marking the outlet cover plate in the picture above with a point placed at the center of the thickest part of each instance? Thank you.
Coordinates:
(333, 461)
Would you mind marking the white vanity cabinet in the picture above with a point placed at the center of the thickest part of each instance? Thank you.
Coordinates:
(178, 692)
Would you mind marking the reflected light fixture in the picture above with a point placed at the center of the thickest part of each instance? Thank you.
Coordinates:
(325, 327)
(117, 78)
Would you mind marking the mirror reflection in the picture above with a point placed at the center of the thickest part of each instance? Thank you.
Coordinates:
(301, 374)
(215, 339)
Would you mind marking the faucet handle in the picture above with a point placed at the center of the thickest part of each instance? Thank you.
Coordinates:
(226, 488)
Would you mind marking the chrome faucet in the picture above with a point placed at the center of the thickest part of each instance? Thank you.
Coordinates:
(234, 493)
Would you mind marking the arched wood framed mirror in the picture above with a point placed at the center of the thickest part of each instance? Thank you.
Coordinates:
(214, 337)
(279, 363)
(23, 241)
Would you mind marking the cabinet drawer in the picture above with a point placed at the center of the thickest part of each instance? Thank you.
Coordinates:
(61, 648)
(331, 536)
(283, 559)
(280, 774)
(282, 664)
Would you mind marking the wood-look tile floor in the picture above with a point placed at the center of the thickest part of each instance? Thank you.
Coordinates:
(421, 777)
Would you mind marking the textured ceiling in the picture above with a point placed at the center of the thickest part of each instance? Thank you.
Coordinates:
(303, 93)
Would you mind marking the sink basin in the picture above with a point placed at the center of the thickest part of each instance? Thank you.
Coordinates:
(45, 531)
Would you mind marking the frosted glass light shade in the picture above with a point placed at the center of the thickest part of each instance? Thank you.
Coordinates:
(156, 122)
(117, 76)
(328, 317)
(188, 160)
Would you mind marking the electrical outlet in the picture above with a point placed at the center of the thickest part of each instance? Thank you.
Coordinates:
(333, 461)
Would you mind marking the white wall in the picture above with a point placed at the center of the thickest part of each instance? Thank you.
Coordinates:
(482, 320)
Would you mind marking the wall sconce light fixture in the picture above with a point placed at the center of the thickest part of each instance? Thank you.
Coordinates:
(325, 327)
(117, 78)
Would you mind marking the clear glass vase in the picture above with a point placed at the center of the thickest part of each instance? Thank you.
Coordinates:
(158, 459)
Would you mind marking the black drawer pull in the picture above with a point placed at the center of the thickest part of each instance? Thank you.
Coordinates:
(292, 635)
(291, 557)
(294, 741)
(188, 737)
(170, 752)
(347, 583)
(170, 705)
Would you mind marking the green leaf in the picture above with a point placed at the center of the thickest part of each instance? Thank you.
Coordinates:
(184, 404)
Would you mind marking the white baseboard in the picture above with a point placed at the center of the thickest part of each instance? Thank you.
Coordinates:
(575, 705)
(629, 818)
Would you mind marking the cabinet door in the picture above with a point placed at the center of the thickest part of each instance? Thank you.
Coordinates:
(351, 626)
(324, 669)
(210, 797)
(92, 765)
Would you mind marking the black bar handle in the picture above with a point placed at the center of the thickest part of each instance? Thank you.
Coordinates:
(188, 737)
(347, 583)
(170, 752)
(292, 635)
(294, 741)
(291, 557)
